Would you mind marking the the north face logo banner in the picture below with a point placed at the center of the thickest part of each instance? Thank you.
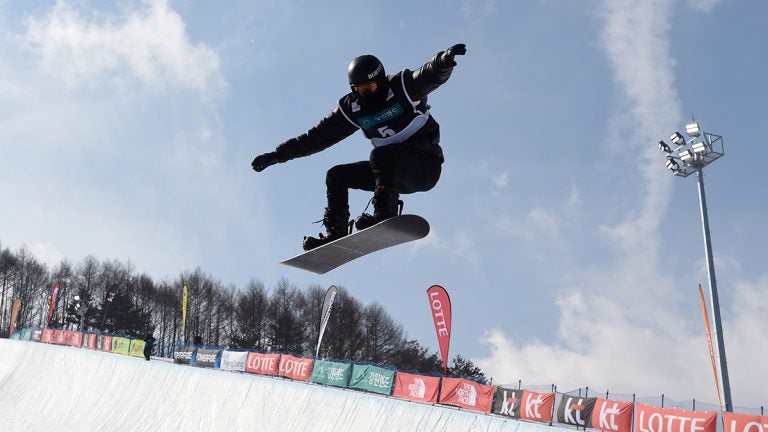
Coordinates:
(417, 388)
(611, 416)
(466, 394)
(575, 410)
(507, 402)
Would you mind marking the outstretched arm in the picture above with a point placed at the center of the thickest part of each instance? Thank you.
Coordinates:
(330, 130)
(435, 72)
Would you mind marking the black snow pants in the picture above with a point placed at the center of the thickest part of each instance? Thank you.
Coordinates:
(407, 169)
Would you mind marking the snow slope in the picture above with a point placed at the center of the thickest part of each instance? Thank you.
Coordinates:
(55, 388)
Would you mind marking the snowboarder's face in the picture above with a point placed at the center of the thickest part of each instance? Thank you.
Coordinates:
(366, 89)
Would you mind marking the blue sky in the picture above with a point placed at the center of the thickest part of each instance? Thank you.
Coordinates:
(572, 256)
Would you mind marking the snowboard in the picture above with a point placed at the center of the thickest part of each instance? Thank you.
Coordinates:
(387, 233)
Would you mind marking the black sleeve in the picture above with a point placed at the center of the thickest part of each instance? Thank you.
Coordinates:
(330, 130)
(427, 78)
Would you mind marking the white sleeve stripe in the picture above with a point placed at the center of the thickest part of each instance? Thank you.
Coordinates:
(345, 116)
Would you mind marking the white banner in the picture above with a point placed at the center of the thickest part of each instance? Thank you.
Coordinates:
(330, 295)
(233, 360)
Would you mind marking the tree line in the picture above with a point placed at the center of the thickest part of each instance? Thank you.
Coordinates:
(112, 296)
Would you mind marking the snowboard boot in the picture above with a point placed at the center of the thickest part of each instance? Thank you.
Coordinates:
(385, 205)
(336, 226)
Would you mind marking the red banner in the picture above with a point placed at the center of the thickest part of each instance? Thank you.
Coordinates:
(745, 423)
(709, 342)
(652, 419)
(73, 338)
(611, 416)
(537, 406)
(47, 336)
(106, 343)
(296, 368)
(59, 337)
(89, 341)
(262, 364)
(440, 305)
(417, 388)
(14, 315)
(53, 304)
(466, 394)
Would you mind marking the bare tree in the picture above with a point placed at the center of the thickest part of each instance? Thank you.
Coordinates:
(286, 332)
(382, 334)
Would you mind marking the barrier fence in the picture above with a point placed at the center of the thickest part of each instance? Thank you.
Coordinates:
(534, 404)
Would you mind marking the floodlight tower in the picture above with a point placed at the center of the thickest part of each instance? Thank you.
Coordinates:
(684, 158)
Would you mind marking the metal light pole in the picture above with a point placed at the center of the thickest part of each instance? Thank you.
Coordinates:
(686, 158)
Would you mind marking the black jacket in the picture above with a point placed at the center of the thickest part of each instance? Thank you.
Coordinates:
(403, 118)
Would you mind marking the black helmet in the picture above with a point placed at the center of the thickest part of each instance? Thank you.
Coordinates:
(364, 69)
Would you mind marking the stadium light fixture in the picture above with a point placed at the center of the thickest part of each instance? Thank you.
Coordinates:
(692, 129)
(664, 147)
(699, 147)
(702, 153)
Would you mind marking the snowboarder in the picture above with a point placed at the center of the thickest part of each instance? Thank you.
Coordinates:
(393, 113)
(149, 344)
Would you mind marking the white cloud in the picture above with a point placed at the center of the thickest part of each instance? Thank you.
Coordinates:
(501, 181)
(705, 6)
(149, 45)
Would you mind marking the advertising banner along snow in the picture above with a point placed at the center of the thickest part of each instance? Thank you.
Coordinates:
(233, 361)
(372, 378)
(121, 345)
(611, 416)
(205, 358)
(466, 394)
(440, 306)
(295, 368)
(575, 410)
(262, 364)
(507, 402)
(183, 355)
(137, 348)
(417, 388)
(653, 419)
(745, 422)
(331, 373)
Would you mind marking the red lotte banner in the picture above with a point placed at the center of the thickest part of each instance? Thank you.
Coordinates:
(466, 394)
(440, 305)
(416, 388)
(745, 422)
(296, 368)
(652, 419)
(47, 336)
(612, 416)
(53, 304)
(262, 364)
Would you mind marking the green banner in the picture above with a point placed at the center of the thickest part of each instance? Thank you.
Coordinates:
(121, 345)
(372, 378)
(137, 348)
(331, 373)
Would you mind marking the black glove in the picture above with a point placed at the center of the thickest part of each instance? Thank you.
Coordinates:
(261, 162)
(450, 53)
